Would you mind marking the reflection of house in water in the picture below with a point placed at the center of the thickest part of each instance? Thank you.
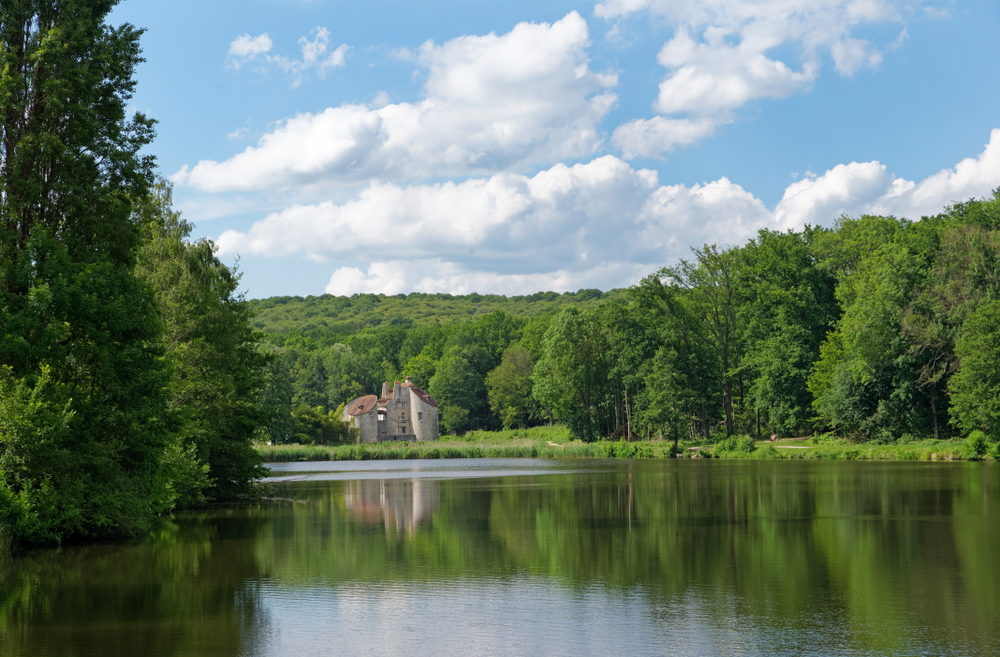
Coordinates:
(401, 503)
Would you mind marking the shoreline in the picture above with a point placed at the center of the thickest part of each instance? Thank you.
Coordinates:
(802, 449)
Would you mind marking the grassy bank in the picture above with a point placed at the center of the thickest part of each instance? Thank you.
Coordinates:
(555, 442)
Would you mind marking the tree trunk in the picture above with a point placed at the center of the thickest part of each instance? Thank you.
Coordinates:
(934, 414)
(728, 404)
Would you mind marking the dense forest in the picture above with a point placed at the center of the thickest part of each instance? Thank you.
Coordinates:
(876, 329)
(130, 375)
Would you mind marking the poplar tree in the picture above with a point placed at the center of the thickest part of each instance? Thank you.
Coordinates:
(81, 378)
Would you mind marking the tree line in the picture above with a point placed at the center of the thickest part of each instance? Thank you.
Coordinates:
(876, 329)
(130, 375)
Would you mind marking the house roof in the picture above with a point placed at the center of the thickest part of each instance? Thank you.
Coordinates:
(414, 390)
(361, 405)
(424, 397)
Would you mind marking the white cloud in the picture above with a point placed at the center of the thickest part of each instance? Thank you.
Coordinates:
(866, 187)
(715, 78)
(972, 177)
(245, 48)
(721, 55)
(844, 189)
(491, 103)
(600, 224)
(650, 137)
(434, 275)
(316, 54)
(596, 224)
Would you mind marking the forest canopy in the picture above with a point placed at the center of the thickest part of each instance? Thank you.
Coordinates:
(875, 329)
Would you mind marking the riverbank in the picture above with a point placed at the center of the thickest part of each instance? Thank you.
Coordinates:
(555, 442)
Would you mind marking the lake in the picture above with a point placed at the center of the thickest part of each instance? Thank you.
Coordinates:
(541, 557)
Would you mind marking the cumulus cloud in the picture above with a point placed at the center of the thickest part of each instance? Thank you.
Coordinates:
(972, 177)
(651, 137)
(599, 224)
(316, 54)
(867, 187)
(721, 55)
(491, 103)
(437, 276)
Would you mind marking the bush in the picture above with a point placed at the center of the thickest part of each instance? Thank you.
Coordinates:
(734, 445)
(624, 450)
(995, 451)
(976, 446)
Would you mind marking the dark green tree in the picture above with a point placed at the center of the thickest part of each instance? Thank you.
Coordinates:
(217, 365)
(571, 378)
(79, 334)
(509, 388)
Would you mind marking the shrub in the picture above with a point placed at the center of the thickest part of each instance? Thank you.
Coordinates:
(995, 451)
(734, 445)
(975, 446)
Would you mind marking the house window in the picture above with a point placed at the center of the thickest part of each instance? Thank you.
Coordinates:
(420, 415)
(402, 430)
(402, 404)
(404, 416)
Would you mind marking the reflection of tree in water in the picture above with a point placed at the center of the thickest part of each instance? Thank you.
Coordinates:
(184, 591)
(399, 503)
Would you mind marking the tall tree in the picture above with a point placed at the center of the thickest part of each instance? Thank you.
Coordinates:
(218, 369)
(571, 378)
(509, 388)
(786, 308)
(78, 332)
(710, 295)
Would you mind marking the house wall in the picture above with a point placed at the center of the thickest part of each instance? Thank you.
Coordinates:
(424, 419)
(397, 424)
(367, 425)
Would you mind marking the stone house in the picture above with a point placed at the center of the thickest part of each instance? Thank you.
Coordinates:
(403, 413)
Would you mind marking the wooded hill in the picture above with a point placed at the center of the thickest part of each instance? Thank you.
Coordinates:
(327, 319)
(875, 329)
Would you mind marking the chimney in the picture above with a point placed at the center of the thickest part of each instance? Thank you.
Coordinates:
(409, 380)
(396, 390)
(385, 389)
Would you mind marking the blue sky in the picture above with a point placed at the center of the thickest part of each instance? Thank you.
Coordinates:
(514, 147)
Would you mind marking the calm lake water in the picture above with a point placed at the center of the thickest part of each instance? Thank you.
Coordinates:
(542, 557)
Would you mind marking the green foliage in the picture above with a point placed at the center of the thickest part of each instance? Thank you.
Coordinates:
(625, 450)
(79, 336)
(313, 426)
(572, 375)
(733, 446)
(509, 388)
(453, 418)
(976, 446)
(421, 369)
(327, 319)
(975, 388)
(218, 368)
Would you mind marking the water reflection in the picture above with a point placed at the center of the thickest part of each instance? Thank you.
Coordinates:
(696, 558)
(396, 503)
